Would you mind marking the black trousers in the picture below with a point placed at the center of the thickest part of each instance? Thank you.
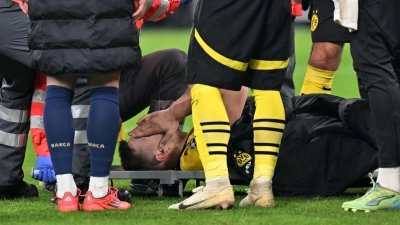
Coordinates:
(16, 92)
(288, 84)
(157, 82)
(373, 49)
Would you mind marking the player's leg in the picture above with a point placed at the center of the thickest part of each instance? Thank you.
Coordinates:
(81, 156)
(67, 191)
(214, 64)
(322, 66)
(211, 128)
(269, 123)
(212, 131)
(103, 116)
(59, 95)
(328, 39)
(266, 71)
(372, 59)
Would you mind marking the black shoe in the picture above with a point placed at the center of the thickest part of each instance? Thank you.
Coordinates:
(82, 183)
(151, 185)
(144, 185)
(50, 187)
(23, 190)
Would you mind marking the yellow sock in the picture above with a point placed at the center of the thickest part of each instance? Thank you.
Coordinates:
(211, 129)
(269, 123)
(317, 81)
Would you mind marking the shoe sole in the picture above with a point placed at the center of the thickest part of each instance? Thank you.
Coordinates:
(367, 210)
(355, 210)
(69, 209)
(269, 202)
(99, 208)
(258, 205)
(226, 204)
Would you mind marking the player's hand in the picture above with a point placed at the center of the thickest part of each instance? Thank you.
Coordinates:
(44, 170)
(186, 1)
(141, 7)
(23, 4)
(159, 122)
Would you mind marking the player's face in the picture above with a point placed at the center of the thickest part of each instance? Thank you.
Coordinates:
(145, 145)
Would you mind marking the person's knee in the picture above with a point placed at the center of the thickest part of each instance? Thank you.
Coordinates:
(176, 60)
(173, 74)
(326, 55)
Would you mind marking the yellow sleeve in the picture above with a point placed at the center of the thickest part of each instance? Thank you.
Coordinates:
(121, 134)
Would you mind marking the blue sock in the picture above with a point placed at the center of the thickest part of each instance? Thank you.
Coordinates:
(59, 127)
(102, 129)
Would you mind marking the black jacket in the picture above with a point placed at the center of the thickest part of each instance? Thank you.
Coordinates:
(77, 37)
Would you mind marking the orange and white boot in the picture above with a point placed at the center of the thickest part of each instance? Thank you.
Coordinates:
(108, 202)
(68, 202)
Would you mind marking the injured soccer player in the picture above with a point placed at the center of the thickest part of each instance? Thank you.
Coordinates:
(315, 140)
(146, 153)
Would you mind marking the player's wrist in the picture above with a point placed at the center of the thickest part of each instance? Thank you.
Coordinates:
(176, 113)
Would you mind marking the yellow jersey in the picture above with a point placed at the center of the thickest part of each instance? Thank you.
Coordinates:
(189, 159)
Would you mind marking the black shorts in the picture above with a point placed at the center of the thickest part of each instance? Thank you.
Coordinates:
(237, 43)
(323, 28)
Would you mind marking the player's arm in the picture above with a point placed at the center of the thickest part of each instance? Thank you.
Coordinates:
(164, 121)
(167, 121)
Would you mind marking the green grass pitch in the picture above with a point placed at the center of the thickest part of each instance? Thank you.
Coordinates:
(148, 209)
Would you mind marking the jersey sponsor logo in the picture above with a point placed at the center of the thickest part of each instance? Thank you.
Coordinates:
(242, 158)
(314, 20)
(192, 143)
(377, 201)
(247, 167)
(61, 144)
(94, 145)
